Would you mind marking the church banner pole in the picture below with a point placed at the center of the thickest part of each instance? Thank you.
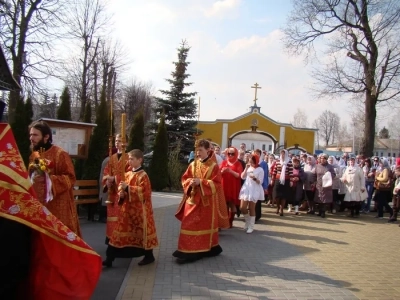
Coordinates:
(110, 145)
(193, 191)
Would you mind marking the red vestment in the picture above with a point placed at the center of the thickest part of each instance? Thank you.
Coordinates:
(230, 183)
(135, 226)
(62, 266)
(199, 228)
(223, 217)
(62, 176)
(114, 168)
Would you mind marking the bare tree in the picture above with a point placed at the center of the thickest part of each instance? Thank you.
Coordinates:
(113, 59)
(28, 31)
(300, 119)
(317, 137)
(327, 124)
(363, 50)
(133, 97)
(394, 125)
(88, 22)
(343, 136)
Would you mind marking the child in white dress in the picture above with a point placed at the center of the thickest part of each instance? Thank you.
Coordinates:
(251, 191)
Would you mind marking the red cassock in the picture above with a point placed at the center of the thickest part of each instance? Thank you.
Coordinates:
(199, 228)
(63, 266)
(115, 167)
(222, 211)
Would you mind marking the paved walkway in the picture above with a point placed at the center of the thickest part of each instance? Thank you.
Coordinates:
(291, 257)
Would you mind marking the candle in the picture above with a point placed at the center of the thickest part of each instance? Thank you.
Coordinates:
(111, 117)
(123, 124)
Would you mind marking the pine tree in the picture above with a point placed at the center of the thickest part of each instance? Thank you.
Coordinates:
(64, 110)
(158, 171)
(179, 107)
(98, 145)
(136, 134)
(87, 117)
(20, 126)
(28, 111)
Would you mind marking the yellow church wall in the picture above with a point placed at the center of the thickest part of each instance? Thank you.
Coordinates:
(213, 130)
(304, 138)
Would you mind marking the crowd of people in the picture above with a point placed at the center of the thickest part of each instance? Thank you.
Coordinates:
(301, 182)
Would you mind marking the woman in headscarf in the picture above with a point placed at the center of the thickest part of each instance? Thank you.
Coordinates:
(231, 169)
(271, 166)
(309, 182)
(354, 180)
(297, 185)
(323, 195)
(369, 175)
(281, 176)
(383, 196)
(251, 191)
(335, 183)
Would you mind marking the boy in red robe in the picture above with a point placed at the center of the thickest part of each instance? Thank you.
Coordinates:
(198, 211)
(112, 176)
(135, 233)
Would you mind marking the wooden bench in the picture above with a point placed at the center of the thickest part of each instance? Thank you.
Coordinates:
(87, 192)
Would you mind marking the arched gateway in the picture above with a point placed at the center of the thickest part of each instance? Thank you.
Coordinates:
(257, 130)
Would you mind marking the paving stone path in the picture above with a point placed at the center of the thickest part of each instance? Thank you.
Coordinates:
(290, 257)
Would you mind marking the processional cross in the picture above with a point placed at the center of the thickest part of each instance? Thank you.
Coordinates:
(256, 86)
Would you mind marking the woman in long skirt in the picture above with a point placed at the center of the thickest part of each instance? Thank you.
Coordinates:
(281, 177)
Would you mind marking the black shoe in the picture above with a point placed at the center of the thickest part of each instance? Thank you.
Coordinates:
(322, 214)
(311, 212)
(281, 214)
(107, 263)
(392, 220)
(146, 261)
(182, 261)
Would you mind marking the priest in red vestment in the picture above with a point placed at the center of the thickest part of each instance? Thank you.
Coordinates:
(198, 210)
(112, 176)
(135, 232)
(54, 186)
(40, 257)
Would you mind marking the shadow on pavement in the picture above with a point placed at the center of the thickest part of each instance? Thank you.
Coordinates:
(294, 225)
(257, 265)
(111, 278)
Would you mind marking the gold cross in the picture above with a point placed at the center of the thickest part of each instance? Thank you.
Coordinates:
(256, 87)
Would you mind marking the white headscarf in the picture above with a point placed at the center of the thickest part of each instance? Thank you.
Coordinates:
(385, 163)
(283, 164)
(342, 163)
(334, 161)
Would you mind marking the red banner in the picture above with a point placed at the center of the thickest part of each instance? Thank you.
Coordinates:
(63, 266)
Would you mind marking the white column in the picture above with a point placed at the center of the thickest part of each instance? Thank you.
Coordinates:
(224, 138)
(282, 136)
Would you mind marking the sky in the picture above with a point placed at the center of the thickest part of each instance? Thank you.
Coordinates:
(234, 44)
